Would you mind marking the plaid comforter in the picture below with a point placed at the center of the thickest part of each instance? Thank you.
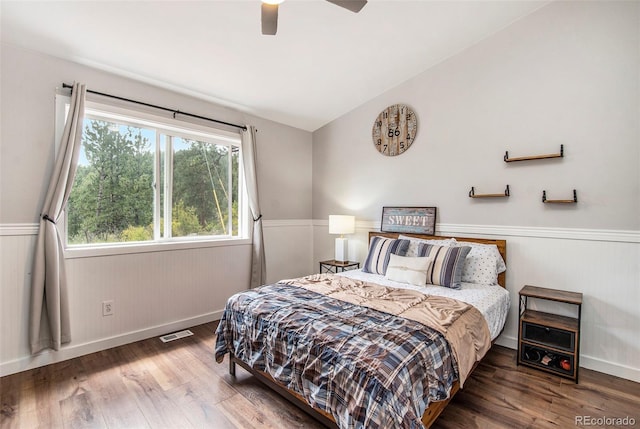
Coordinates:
(367, 368)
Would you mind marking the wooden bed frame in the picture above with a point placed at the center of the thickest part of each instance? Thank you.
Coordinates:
(433, 410)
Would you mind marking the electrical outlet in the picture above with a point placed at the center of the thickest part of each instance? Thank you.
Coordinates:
(107, 308)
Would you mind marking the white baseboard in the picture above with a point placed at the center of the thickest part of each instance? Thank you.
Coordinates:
(507, 341)
(614, 369)
(588, 362)
(72, 351)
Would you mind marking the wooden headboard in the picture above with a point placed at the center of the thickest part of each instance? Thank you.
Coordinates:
(501, 244)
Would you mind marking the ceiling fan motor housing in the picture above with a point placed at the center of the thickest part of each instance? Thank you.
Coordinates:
(270, 12)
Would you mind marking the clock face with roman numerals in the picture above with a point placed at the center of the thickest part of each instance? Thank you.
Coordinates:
(394, 130)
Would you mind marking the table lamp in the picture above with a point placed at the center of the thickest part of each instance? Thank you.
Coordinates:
(341, 224)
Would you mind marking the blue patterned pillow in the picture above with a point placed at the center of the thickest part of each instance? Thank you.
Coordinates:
(380, 250)
(446, 269)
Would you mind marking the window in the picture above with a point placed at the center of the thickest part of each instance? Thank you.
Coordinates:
(142, 179)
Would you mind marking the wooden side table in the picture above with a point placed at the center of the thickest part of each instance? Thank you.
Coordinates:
(547, 341)
(333, 266)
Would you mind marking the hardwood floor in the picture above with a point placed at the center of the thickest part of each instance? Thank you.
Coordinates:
(150, 384)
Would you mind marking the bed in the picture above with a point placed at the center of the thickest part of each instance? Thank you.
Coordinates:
(375, 347)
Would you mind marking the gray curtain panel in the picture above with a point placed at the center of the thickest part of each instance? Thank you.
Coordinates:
(249, 156)
(49, 325)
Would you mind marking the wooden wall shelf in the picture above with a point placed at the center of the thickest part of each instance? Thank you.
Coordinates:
(534, 157)
(472, 194)
(546, 201)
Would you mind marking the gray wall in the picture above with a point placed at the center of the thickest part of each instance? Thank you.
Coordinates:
(153, 292)
(29, 81)
(567, 74)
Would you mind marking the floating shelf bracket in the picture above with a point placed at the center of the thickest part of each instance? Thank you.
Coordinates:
(472, 194)
(534, 157)
(574, 200)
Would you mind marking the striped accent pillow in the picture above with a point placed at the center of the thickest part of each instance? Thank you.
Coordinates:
(446, 269)
(380, 250)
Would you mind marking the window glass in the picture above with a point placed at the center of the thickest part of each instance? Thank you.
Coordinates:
(139, 181)
(112, 196)
(201, 189)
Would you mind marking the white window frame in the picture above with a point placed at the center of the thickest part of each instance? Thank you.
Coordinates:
(165, 125)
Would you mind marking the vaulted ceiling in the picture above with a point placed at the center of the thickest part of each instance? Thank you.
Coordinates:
(323, 62)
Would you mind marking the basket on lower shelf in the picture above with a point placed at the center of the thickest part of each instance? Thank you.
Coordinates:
(546, 359)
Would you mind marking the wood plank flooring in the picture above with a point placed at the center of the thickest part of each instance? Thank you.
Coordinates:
(150, 384)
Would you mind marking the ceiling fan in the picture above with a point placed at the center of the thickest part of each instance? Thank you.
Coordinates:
(270, 12)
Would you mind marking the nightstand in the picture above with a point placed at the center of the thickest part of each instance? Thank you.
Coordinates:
(547, 341)
(333, 266)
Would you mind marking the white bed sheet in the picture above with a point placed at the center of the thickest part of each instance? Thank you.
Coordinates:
(492, 301)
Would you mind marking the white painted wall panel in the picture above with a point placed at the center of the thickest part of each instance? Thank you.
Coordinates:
(605, 270)
(151, 289)
(153, 293)
(15, 263)
(608, 275)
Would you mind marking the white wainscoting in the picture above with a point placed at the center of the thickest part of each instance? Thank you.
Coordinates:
(602, 264)
(167, 291)
(154, 293)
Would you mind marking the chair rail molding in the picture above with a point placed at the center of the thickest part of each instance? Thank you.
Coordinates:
(14, 229)
(611, 235)
(624, 236)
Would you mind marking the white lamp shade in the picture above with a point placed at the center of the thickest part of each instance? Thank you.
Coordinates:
(342, 224)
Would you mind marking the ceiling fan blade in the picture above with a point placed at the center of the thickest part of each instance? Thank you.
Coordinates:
(269, 19)
(352, 5)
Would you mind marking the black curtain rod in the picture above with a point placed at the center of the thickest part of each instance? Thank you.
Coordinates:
(166, 109)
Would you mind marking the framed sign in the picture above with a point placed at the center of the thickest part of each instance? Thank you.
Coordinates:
(413, 220)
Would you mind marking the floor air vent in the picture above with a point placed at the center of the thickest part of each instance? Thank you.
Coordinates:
(176, 336)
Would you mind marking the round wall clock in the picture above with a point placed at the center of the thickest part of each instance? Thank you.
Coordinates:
(394, 130)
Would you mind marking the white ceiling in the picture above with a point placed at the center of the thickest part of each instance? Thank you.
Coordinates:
(324, 61)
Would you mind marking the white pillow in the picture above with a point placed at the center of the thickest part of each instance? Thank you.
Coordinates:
(483, 264)
(414, 242)
(405, 269)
